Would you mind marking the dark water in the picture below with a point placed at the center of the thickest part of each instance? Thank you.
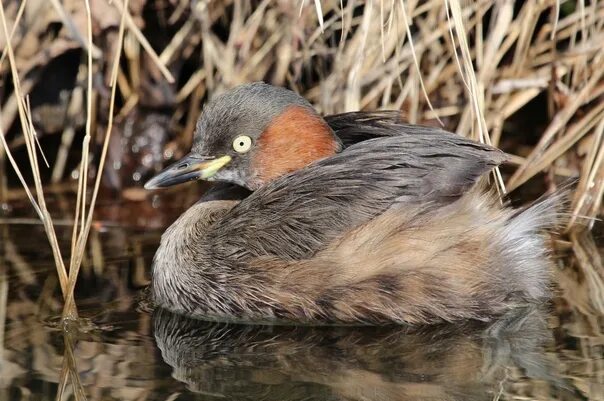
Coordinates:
(122, 350)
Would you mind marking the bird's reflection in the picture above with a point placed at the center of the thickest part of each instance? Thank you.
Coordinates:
(253, 362)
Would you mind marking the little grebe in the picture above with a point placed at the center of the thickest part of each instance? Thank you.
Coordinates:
(353, 218)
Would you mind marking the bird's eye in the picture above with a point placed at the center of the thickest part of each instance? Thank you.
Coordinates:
(242, 143)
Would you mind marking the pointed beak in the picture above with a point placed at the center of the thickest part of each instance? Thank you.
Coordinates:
(189, 168)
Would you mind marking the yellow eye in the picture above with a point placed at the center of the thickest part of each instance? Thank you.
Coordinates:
(242, 143)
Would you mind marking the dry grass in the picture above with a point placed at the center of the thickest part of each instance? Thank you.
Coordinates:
(29, 135)
(84, 209)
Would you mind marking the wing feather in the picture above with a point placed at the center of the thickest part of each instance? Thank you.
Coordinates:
(299, 214)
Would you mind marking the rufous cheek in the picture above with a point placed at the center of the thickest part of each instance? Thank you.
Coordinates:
(293, 140)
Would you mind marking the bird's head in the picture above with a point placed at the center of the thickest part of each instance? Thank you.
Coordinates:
(250, 136)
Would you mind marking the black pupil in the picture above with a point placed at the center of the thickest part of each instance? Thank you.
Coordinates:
(241, 144)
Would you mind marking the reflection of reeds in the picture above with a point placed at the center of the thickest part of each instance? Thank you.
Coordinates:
(32, 327)
(70, 369)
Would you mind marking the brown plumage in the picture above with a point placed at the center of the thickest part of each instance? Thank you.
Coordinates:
(390, 229)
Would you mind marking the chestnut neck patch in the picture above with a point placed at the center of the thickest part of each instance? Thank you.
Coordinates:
(294, 139)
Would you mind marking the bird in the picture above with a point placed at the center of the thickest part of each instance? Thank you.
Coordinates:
(355, 218)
